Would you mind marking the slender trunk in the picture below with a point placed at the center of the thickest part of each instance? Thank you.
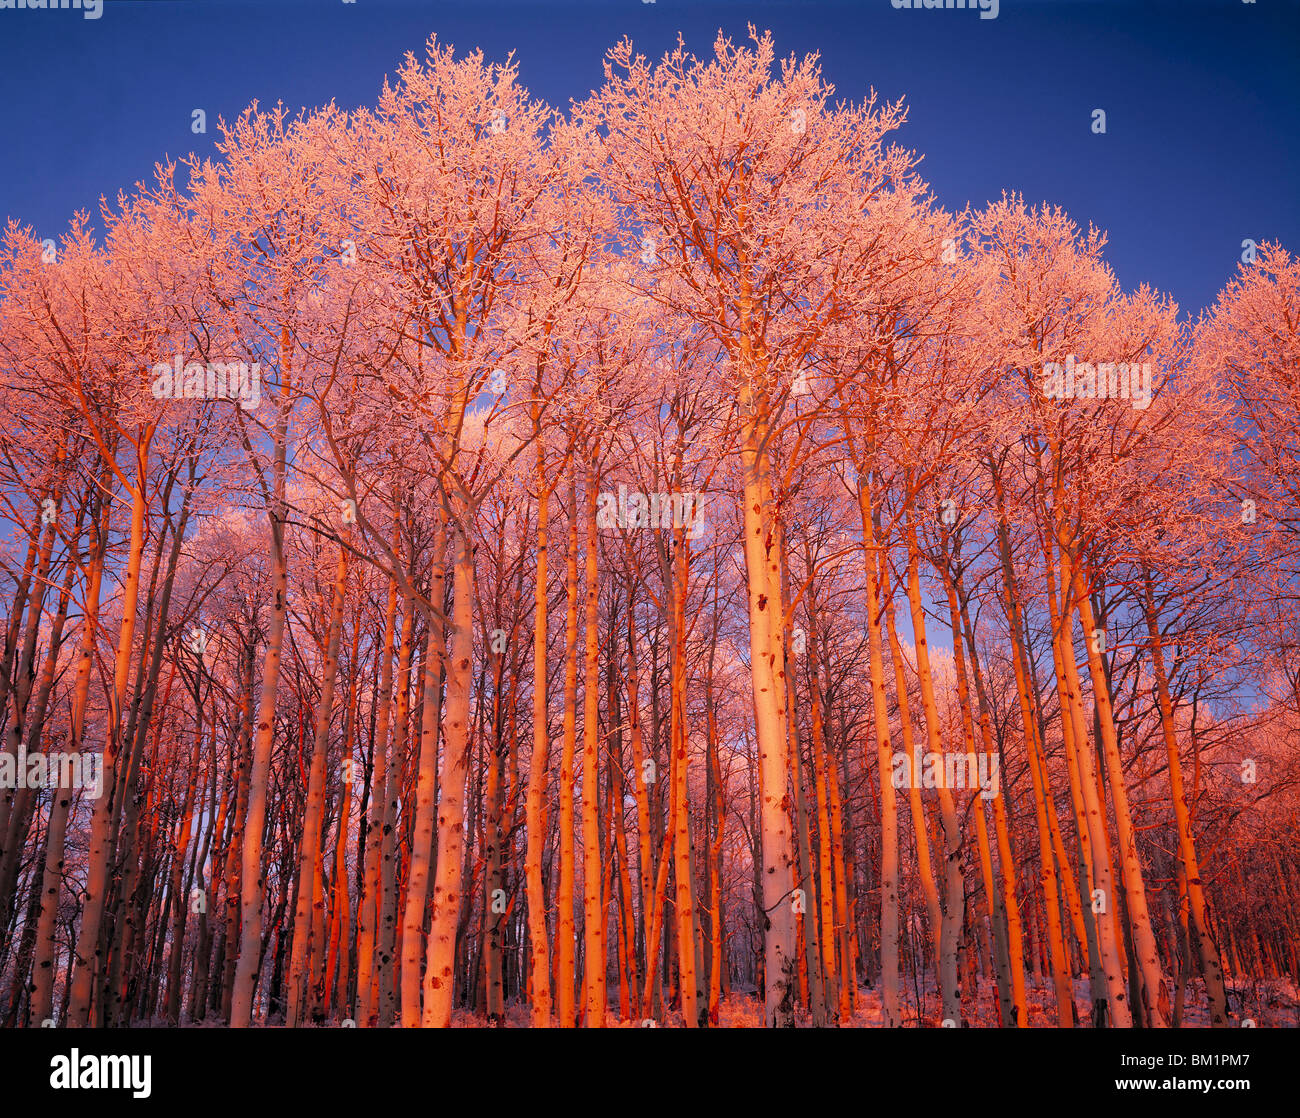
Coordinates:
(629, 988)
(392, 863)
(1144, 944)
(767, 666)
(370, 906)
(1010, 904)
(593, 921)
(1206, 950)
(1094, 820)
(538, 775)
(564, 932)
(891, 984)
(641, 782)
(337, 964)
(438, 976)
(309, 854)
(253, 885)
(88, 959)
(493, 915)
(426, 793)
(954, 892)
(43, 969)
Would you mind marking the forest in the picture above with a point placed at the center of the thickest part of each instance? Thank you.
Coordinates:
(647, 563)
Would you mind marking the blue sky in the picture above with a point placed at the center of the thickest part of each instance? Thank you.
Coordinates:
(1202, 147)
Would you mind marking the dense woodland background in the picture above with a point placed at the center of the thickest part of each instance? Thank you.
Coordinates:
(398, 727)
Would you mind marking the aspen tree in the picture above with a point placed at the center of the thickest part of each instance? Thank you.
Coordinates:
(310, 852)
